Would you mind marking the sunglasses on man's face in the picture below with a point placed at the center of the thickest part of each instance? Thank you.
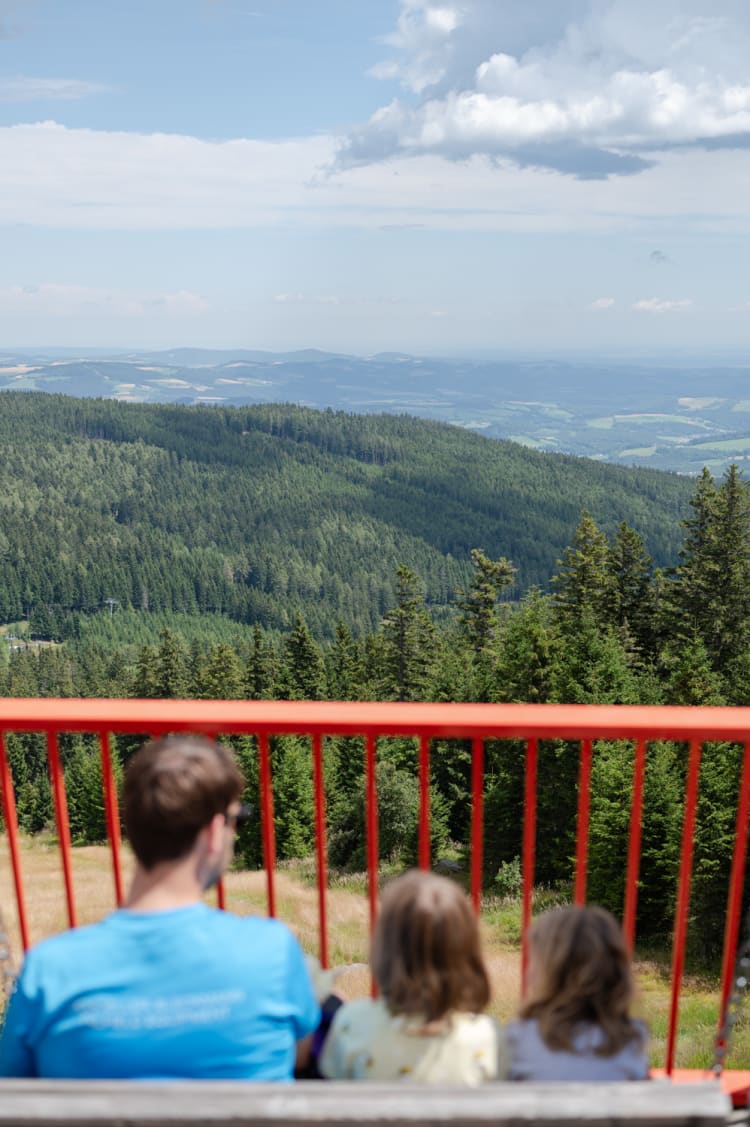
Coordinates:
(240, 817)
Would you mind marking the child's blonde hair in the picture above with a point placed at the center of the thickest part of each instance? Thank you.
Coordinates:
(425, 955)
(580, 975)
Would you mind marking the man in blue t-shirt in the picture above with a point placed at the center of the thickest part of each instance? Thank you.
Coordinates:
(167, 988)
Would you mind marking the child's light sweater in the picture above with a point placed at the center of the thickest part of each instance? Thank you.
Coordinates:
(367, 1042)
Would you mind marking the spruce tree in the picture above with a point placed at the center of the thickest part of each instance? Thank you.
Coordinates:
(477, 603)
(584, 583)
(631, 598)
(711, 595)
(408, 637)
(220, 675)
(345, 667)
(171, 666)
(304, 672)
(694, 593)
(260, 672)
(146, 680)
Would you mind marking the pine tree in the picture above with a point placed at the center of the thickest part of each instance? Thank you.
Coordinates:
(408, 636)
(220, 675)
(345, 670)
(524, 669)
(477, 603)
(732, 630)
(304, 672)
(259, 676)
(631, 598)
(171, 666)
(711, 595)
(584, 584)
(146, 680)
(293, 798)
(693, 594)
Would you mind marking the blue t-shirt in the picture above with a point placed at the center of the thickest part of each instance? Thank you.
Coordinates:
(190, 992)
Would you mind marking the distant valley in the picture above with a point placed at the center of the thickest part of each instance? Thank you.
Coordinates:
(663, 416)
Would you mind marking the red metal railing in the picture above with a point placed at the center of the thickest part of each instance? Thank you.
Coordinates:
(371, 721)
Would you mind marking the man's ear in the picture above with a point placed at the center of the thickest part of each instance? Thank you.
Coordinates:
(216, 834)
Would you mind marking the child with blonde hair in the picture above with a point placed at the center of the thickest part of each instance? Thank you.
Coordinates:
(575, 1023)
(427, 1025)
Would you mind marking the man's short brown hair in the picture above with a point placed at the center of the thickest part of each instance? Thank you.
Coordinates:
(425, 955)
(173, 788)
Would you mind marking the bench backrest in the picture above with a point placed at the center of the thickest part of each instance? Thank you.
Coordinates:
(46, 1103)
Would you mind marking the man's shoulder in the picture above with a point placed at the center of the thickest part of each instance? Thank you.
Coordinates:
(73, 939)
(262, 927)
(76, 947)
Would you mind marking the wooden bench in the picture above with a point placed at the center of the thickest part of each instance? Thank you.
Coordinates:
(51, 1103)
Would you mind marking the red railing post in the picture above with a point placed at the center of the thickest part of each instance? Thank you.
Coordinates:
(634, 844)
(11, 828)
(268, 833)
(683, 896)
(320, 843)
(582, 824)
(62, 823)
(371, 832)
(371, 824)
(111, 813)
(424, 802)
(529, 853)
(477, 819)
(736, 881)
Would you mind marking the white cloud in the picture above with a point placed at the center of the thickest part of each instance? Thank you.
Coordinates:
(24, 89)
(51, 175)
(85, 179)
(589, 88)
(662, 305)
(54, 299)
(602, 303)
(421, 39)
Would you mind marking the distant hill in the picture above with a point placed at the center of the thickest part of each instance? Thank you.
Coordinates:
(666, 416)
(258, 512)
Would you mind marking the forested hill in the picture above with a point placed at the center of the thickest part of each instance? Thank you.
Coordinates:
(260, 512)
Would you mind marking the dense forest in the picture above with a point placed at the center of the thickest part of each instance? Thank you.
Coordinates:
(610, 627)
(259, 514)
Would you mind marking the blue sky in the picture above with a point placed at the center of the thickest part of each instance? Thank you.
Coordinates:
(440, 176)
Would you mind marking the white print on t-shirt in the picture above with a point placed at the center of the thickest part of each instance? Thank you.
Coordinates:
(117, 1014)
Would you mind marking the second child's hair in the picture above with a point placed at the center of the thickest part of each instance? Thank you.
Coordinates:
(425, 955)
(581, 976)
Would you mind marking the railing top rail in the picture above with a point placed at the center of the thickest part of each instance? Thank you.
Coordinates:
(356, 718)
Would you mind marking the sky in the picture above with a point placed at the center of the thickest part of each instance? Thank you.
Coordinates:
(436, 176)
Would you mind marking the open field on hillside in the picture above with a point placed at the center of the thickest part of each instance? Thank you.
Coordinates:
(348, 938)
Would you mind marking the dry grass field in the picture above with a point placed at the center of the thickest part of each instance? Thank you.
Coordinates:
(348, 939)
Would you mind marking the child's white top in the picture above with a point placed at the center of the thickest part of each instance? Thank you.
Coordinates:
(532, 1059)
(366, 1042)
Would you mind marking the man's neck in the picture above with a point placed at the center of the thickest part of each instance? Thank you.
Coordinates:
(170, 884)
